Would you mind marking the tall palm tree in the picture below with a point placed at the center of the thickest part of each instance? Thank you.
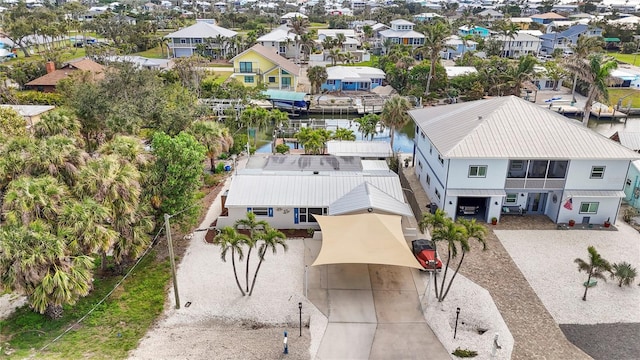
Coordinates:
(214, 137)
(394, 114)
(595, 71)
(433, 221)
(37, 263)
(58, 156)
(335, 55)
(230, 239)
(254, 117)
(254, 226)
(595, 266)
(585, 46)
(434, 43)
(367, 125)
(299, 26)
(523, 71)
(29, 198)
(454, 235)
(270, 238)
(474, 231)
(510, 32)
(127, 148)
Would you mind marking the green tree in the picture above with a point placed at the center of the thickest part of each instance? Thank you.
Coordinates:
(270, 238)
(177, 173)
(596, 72)
(624, 272)
(58, 122)
(299, 26)
(434, 43)
(255, 227)
(18, 24)
(12, 123)
(394, 114)
(367, 125)
(254, 117)
(454, 235)
(214, 137)
(317, 76)
(30, 198)
(230, 239)
(38, 264)
(86, 224)
(523, 71)
(595, 267)
(585, 46)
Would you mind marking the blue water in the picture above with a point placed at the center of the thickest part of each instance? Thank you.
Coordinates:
(403, 139)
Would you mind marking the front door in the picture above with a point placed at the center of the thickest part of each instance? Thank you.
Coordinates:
(536, 203)
(286, 82)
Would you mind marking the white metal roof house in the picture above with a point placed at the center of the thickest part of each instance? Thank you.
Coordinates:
(353, 78)
(281, 40)
(185, 41)
(361, 148)
(521, 45)
(287, 190)
(488, 158)
(401, 32)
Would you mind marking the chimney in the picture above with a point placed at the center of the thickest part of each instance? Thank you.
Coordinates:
(50, 66)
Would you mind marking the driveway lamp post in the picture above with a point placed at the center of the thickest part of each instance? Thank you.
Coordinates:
(300, 308)
(455, 330)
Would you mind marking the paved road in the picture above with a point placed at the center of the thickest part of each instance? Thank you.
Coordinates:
(373, 310)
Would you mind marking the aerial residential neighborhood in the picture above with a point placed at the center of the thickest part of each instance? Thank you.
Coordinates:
(319, 180)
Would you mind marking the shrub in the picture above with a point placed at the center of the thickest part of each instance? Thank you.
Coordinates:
(282, 148)
(629, 214)
(465, 353)
(211, 180)
(624, 272)
(223, 156)
(219, 168)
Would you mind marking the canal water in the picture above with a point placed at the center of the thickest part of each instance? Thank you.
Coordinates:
(403, 141)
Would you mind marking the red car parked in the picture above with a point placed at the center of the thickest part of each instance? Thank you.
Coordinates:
(425, 251)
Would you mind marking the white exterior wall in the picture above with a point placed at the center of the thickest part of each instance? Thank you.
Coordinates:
(579, 173)
(459, 174)
(427, 163)
(281, 219)
(607, 209)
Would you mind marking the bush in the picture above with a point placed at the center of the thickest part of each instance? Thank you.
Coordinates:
(465, 353)
(33, 98)
(220, 168)
(211, 180)
(282, 148)
(223, 156)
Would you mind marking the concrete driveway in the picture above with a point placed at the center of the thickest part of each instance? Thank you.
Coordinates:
(374, 311)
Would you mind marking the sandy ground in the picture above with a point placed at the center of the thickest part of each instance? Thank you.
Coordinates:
(478, 323)
(219, 322)
(10, 302)
(546, 257)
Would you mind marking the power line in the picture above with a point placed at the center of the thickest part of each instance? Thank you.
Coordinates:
(106, 296)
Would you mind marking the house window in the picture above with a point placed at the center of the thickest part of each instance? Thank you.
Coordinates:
(516, 165)
(306, 214)
(272, 79)
(260, 211)
(589, 208)
(478, 171)
(440, 159)
(248, 79)
(283, 49)
(246, 67)
(438, 194)
(511, 199)
(428, 180)
(420, 164)
(197, 41)
(597, 172)
(331, 82)
(183, 41)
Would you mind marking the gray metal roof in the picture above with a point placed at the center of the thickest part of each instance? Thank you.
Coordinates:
(202, 30)
(379, 149)
(312, 163)
(30, 110)
(366, 196)
(512, 128)
(594, 193)
(303, 190)
(629, 139)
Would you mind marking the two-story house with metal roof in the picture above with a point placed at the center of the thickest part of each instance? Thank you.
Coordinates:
(566, 39)
(212, 39)
(401, 32)
(505, 155)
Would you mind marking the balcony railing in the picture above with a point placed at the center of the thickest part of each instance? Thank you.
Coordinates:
(534, 183)
(247, 71)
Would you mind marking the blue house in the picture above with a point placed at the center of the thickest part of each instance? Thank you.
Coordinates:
(567, 39)
(456, 47)
(476, 30)
(353, 78)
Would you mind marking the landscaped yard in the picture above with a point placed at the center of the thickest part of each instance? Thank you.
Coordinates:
(111, 331)
(632, 59)
(626, 95)
(154, 53)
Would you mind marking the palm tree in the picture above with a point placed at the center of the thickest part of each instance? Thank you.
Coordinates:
(433, 221)
(270, 239)
(595, 267)
(394, 114)
(344, 134)
(299, 26)
(254, 117)
(335, 55)
(127, 148)
(58, 122)
(434, 43)
(510, 32)
(254, 226)
(30, 198)
(58, 156)
(453, 235)
(585, 46)
(595, 71)
(86, 223)
(523, 71)
(475, 231)
(230, 239)
(317, 76)
(625, 273)
(340, 40)
(37, 263)
(214, 137)
(367, 125)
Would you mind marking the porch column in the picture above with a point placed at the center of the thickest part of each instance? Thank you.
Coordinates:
(279, 78)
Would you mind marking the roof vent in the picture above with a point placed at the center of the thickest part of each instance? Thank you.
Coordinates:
(479, 117)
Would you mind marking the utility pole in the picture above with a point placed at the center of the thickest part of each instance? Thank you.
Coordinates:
(172, 259)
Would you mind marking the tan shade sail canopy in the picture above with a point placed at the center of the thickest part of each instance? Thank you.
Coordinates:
(364, 239)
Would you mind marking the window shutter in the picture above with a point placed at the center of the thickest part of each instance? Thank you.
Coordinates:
(248, 210)
(270, 212)
(296, 216)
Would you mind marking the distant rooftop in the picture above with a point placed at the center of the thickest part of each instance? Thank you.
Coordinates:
(312, 163)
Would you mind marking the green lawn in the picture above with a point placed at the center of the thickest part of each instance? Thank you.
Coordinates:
(632, 59)
(371, 63)
(631, 95)
(155, 53)
(314, 25)
(110, 332)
